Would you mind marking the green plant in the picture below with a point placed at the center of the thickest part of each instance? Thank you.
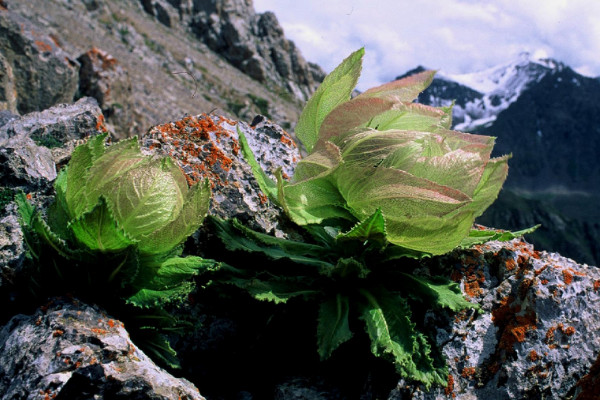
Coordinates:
(261, 103)
(114, 235)
(385, 181)
(6, 196)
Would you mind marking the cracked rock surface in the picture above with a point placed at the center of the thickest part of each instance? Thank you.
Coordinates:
(69, 350)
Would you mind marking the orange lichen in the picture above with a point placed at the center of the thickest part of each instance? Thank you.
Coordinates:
(29, 196)
(550, 335)
(539, 271)
(533, 355)
(567, 277)
(99, 331)
(43, 46)
(597, 284)
(510, 264)
(197, 154)
(468, 372)
(449, 389)
(285, 139)
(111, 323)
(100, 124)
(57, 333)
(515, 324)
(263, 198)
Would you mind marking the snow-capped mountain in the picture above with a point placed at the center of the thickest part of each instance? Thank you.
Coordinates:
(480, 96)
(548, 116)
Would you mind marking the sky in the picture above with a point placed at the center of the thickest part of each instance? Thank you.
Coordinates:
(453, 36)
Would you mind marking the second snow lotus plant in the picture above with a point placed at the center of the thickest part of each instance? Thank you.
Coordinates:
(384, 179)
(114, 235)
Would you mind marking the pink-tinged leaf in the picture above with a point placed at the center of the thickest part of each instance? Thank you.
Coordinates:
(319, 163)
(493, 177)
(355, 113)
(406, 89)
(335, 89)
(409, 116)
(370, 148)
(398, 193)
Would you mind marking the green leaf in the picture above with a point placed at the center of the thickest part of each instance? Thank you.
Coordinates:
(393, 336)
(34, 225)
(402, 90)
(312, 200)
(335, 89)
(409, 116)
(275, 289)
(98, 230)
(494, 175)
(371, 228)
(195, 207)
(75, 188)
(266, 184)
(160, 348)
(437, 292)
(477, 236)
(171, 281)
(333, 327)
(246, 240)
(58, 212)
(116, 161)
(355, 113)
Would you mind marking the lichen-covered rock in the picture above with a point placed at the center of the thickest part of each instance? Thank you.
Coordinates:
(44, 74)
(68, 350)
(103, 78)
(538, 331)
(207, 147)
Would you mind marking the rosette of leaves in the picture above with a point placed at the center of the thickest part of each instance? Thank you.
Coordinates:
(385, 179)
(114, 236)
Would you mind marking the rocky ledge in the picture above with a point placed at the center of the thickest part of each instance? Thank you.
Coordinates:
(536, 335)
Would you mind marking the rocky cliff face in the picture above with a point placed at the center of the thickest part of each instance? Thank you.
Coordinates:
(147, 62)
(254, 43)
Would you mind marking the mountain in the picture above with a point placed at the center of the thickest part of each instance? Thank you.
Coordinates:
(548, 117)
(150, 61)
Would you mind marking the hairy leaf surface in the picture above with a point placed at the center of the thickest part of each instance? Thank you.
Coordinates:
(98, 230)
(334, 90)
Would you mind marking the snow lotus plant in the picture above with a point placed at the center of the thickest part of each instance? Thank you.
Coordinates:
(115, 230)
(384, 179)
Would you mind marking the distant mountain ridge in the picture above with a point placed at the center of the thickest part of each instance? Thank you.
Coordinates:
(548, 117)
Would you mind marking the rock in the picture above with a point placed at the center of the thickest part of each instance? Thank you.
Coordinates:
(538, 332)
(29, 166)
(207, 147)
(68, 350)
(26, 160)
(104, 79)
(8, 93)
(44, 74)
(165, 12)
(254, 43)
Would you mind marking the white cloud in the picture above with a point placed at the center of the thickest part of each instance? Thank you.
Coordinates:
(457, 36)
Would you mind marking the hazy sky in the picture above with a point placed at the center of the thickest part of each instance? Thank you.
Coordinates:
(456, 36)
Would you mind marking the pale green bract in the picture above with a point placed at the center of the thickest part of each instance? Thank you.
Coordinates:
(380, 150)
(114, 236)
(118, 196)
